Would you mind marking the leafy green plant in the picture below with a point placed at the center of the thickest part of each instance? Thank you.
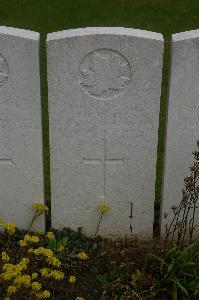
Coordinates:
(171, 275)
(58, 245)
(177, 272)
(115, 283)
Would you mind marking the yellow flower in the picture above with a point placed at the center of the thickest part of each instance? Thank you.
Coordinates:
(72, 279)
(45, 272)
(31, 239)
(5, 257)
(43, 295)
(10, 227)
(43, 251)
(104, 208)
(58, 275)
(36, 286)
(39, 231)
(22, 243)
(27, 238)
(79, 298)
(24, 261)
(34, 275)
(50, 235)
(30, 250)
(34, 239)
(46, 294)
(11, 289)
(11, 271)
(82, 255)
(23, 280)
(52, 260)
(40, 207)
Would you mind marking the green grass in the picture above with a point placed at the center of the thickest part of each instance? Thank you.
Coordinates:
(165, 16)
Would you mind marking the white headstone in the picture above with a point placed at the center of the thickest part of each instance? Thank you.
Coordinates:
(183, 120)
(21, 172)
(104, 94)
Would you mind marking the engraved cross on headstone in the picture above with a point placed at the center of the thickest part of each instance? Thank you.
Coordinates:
(5, 157)
(6, 161)
(104, 162)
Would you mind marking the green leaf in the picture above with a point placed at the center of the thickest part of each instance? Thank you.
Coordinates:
(182, 288)
(52, 244)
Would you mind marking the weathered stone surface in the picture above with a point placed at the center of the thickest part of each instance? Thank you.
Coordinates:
(183, 119)
(104, 92)
(21, 172)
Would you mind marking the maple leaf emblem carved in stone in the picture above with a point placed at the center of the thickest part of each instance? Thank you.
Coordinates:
(105, 73)
(3, 70)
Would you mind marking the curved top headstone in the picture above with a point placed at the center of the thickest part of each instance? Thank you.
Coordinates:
(104, 93)
(183, 120)
(104, 31)
(21, 167)
(21, 33)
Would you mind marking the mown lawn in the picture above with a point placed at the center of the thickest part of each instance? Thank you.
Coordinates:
(165, 16)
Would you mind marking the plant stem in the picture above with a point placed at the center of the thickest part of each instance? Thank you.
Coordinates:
(98, 225)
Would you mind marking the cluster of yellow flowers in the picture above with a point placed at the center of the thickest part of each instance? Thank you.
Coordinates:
(43, 295)
(19, 276)
(48, 273)
(50, 258)
(82, 255)
(104, 208)
(10, 227)
(28, 239)
(5, 257)
(40, 207)
(11, 271)
(72, 279)
(50, 235)
(19, 280)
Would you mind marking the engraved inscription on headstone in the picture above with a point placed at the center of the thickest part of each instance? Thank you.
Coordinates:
(105, 73)
(104, 93)
(3, 70)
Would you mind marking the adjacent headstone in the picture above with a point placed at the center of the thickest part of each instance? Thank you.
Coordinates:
(21, 175)
(183, 120)
(104, 93)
